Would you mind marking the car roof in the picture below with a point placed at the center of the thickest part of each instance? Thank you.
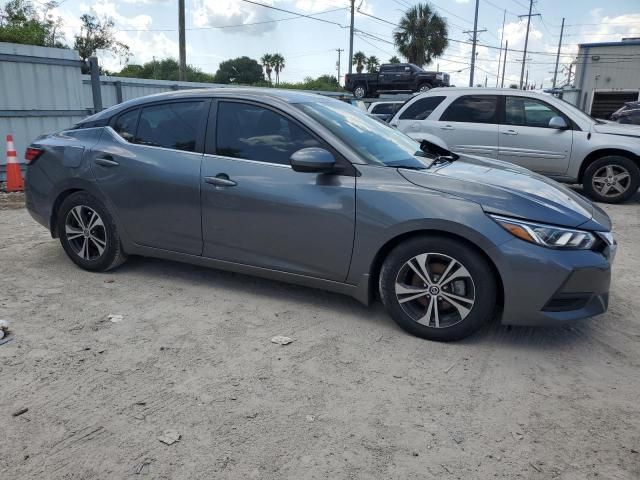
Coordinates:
(245, 93)
(486, 91)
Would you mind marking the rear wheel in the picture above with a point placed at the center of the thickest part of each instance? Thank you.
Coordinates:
(360, 91)
(438, 288)
(611, 179)
(88, 233)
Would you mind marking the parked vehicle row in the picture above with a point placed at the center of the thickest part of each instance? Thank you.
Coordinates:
(307, 189)
(536, 131)
(394, 78)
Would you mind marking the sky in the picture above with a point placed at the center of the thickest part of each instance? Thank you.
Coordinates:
(221, 29)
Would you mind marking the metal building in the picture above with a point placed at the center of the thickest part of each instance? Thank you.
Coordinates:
(607, 75)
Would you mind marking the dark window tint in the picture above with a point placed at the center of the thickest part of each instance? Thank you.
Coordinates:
(421, 109)
(125, 125)
(384, 108)
(257, 133)
(473, 109)
(170, 125)
(529, 112)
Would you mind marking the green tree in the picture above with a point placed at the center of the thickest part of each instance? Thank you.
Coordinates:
(267, 63)
(278, 65)
(372, 64)
(22, 22)
(166, 69)
(421, 35)
(394, 59)
(359, 59)
(96, 34)
(241, 70)
(322, 83)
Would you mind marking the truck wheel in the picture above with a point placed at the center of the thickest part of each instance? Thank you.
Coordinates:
(360, 91)
(425, 87)
(611, 179)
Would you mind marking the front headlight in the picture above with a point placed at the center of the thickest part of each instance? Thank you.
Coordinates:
(547, 235)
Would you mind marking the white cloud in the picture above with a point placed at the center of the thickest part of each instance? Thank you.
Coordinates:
(228, 13)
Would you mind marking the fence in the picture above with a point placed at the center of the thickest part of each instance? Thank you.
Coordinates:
(43, 90)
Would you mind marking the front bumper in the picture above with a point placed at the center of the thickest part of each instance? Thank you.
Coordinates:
(543, 286)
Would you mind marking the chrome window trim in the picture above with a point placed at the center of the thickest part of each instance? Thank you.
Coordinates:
(259, 162)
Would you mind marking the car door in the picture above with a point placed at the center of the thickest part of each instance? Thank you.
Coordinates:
(147, 163)
(469, 125)
(386, 78)
(527, 140)
(258, 211)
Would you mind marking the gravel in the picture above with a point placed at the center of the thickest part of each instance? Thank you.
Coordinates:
(353, 397)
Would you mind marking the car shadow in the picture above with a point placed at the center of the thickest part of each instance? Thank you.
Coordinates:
(186, 275)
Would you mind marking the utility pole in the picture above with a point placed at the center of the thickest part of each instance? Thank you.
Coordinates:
(526, 39)
(504, 63)
(473, 49)
(338, 64)
(555, 71)
(526, 82)
(504, 17)
(353, 7)
(182, 74)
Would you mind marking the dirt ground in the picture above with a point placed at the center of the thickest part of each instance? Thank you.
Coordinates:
(353, 397)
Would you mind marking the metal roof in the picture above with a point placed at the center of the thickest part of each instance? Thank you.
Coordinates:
(610, 44)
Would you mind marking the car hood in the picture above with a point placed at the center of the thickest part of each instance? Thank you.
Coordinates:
(614, 128)
(506, 189)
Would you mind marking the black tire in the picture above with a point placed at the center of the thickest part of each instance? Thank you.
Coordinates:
(360, 91)
(424, 87)
(483, 285)
(112, 255)
(618, 165)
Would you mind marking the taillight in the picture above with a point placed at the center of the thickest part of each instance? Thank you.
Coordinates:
(32, 154)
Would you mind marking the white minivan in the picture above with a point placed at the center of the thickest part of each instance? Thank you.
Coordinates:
(537, 131)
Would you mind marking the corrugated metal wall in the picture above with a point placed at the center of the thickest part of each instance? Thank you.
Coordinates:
(43, 90)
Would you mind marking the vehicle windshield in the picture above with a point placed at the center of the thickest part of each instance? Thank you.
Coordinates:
(576, 111)
(378, 143)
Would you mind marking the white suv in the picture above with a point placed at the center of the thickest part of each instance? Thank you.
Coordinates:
(537, 131)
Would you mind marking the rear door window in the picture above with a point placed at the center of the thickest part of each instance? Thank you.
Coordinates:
(472, 109)
(421, 108)
(383, 108)
(172, 125)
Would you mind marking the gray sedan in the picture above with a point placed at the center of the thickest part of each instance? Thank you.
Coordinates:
(309, 190)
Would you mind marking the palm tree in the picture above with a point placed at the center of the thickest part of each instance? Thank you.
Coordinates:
(267, 62)
(372, 64)
(277, 62)
(359, 59)
(421, 35)
(394, 59)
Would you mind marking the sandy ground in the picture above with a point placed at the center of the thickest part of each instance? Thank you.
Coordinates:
(353, 397)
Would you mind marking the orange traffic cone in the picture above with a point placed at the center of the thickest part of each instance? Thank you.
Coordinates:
(14, 176)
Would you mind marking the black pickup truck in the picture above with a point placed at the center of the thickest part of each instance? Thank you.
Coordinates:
(394, 78)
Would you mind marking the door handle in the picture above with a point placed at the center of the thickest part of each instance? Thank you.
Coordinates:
(220, 180)
(106, 161)
(447, 127)
(509, 132)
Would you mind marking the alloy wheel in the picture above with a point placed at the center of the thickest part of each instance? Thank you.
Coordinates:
(425, 88)
(611, 180)
(85, 232)
(435, 290)
(359, 92)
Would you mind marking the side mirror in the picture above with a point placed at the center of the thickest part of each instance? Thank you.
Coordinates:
(407, 69)
(558, 123)
(313, 160)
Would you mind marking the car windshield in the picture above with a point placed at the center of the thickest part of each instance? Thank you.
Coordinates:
(378, 143)
(576, 111)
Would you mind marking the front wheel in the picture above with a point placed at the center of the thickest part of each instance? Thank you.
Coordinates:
(611, 179)
(425, 87)
(438, 288)
(88, 233)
